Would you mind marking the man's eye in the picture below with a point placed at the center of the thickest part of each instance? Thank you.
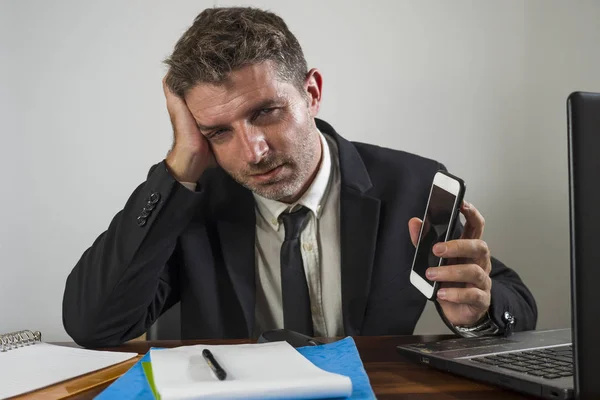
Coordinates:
(217, 133)
(266, 111)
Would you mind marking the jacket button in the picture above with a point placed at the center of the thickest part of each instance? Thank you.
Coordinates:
(145, 213)
(141, 221)
(150, 206)
(154, 198)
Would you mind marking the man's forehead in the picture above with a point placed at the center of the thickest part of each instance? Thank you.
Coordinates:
(206, 96)
(218, 104)
(244, 83)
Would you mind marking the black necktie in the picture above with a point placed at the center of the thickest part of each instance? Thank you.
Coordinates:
(294, 290)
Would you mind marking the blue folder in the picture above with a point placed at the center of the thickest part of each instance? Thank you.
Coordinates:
(340, 357)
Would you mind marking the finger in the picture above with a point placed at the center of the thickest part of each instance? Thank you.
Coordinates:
(177, 107)
(414, 228)
(462, 248)
(166, 89)
(474, 221)
(464, 273)
(475, 297)
(172, 98)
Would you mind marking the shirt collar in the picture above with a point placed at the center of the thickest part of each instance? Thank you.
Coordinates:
(314, 197)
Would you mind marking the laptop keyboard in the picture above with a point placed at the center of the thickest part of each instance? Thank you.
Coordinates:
(552, 363)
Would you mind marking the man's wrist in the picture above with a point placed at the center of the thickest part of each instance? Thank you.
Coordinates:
(191, 186)
(485, 326)
(481, 320)
(184, 167)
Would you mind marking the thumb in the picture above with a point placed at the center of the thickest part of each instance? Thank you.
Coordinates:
(414, 228)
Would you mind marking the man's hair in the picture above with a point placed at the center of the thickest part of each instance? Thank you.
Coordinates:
(222, 40)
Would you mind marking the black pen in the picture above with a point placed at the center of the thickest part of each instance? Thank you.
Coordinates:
(214, 365)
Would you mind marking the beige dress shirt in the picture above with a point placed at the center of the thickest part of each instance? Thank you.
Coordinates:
(320, 247)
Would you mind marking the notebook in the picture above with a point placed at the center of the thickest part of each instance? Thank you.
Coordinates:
(29, 364)
(260, 370)
(340, 357)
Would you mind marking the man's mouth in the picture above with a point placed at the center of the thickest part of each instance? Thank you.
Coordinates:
(268, 174)
(265, 171)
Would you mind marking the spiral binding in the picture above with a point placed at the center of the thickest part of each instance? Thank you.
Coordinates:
(13, 340)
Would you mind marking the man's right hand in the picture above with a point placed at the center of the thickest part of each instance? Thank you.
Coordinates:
(191, 154)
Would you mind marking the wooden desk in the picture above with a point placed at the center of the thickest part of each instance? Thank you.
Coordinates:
(392, 376)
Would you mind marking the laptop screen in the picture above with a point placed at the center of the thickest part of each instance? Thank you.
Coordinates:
(583, 113)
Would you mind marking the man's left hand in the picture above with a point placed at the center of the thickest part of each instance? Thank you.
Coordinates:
(465, 283)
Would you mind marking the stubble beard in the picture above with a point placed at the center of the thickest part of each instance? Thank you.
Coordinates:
(300, 163)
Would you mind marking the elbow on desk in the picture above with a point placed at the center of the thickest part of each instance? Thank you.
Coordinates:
(87, 334)
(78, 320)
(82, 317)
(84, 332)
(79, 333)
(97, 325)
(88, 329)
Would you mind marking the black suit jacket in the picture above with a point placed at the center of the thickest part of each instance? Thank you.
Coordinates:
(169, 244)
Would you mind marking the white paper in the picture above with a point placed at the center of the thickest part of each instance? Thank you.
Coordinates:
(36, 366)
(264, 370)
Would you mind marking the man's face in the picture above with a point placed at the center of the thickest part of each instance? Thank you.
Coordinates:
(261, 129)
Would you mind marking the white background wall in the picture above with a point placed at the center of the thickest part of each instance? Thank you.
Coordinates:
(480, 86)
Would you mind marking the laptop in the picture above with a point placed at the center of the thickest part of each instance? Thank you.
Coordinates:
(560, 363)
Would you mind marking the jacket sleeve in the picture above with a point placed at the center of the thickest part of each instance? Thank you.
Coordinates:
(128, 277)
(509, 294)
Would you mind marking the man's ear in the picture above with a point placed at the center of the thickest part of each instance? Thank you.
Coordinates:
(313, 85)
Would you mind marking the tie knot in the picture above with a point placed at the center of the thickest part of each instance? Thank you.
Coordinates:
(294, 222)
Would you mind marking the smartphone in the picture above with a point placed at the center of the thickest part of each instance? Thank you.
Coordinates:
(441, 214)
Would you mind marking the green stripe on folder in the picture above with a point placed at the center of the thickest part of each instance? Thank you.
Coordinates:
(147, 366)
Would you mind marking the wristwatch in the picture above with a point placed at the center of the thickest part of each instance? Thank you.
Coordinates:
(485, 326)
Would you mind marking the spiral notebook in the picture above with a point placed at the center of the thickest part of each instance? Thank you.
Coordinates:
(28, 364)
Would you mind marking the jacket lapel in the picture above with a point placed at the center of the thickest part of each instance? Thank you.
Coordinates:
(236, 224)
(359, 221)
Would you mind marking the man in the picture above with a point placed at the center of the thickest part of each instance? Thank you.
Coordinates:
(262, 216)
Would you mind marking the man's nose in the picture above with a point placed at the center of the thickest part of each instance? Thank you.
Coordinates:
(254, 145)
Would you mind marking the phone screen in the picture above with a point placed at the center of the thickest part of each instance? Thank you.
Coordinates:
(435, 228)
